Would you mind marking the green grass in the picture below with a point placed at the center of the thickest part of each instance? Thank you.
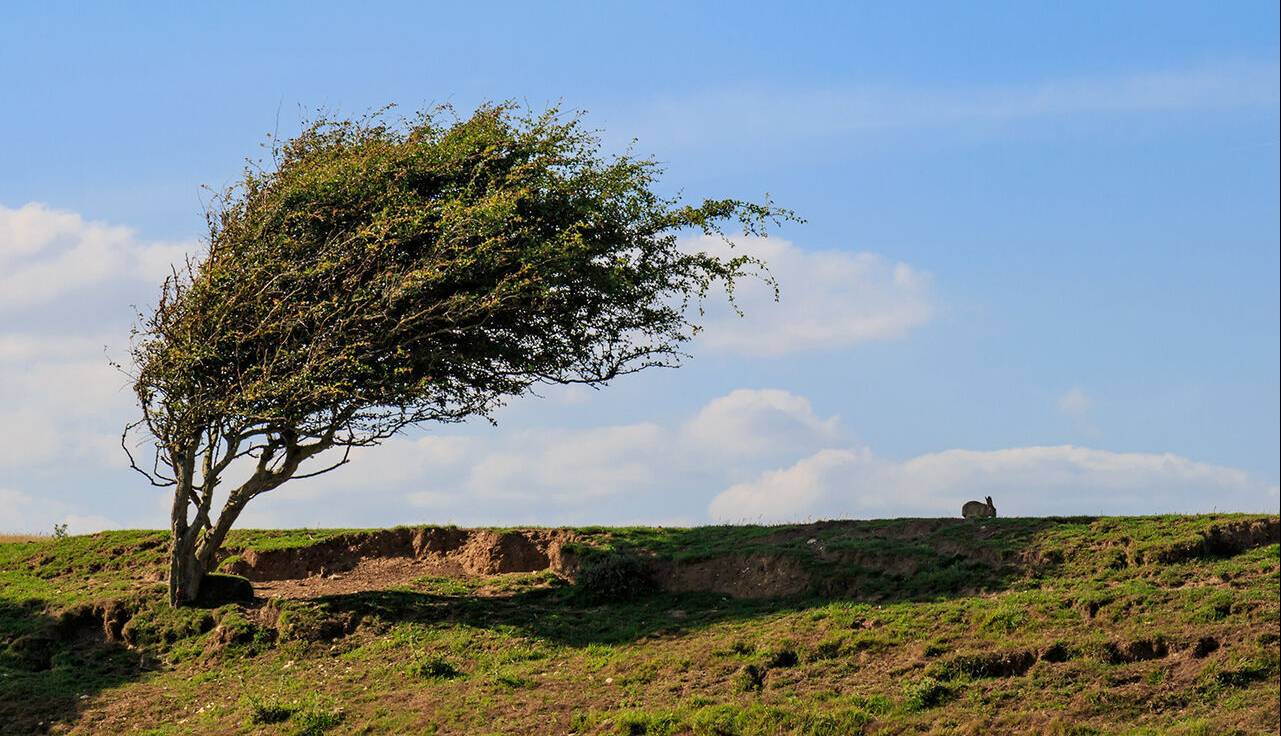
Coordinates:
(918, 626)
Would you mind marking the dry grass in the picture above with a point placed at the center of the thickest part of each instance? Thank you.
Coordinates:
(16, 538)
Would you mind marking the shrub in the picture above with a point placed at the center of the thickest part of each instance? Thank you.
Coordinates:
(983, 664)
(302, 622)
(829, 648)
(268, 712)
(217, 589)
(435, 668)
(615, 578)
(749, 679)
(927, 693)
(314, 722)
(783, 657)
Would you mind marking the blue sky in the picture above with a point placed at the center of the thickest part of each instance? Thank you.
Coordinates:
(1040, 258)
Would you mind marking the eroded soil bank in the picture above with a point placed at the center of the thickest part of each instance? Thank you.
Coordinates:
(825, 558)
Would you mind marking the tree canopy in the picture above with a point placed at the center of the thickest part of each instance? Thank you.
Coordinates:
(380, 274)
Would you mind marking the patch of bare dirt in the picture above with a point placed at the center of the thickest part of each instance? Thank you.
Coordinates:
(738, 576)
(362, 561)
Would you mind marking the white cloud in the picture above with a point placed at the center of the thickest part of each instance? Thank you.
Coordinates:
(1023, 481)
(758, 421)
(827, 299)
(61, 408)
(47, 253)
(60, 399)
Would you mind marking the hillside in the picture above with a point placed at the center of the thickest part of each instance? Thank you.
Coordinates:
(1135, 625)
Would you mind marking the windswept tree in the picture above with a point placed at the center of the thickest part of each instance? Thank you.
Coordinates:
(379, 275)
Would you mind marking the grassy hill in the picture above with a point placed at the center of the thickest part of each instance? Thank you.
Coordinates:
(1135, 625)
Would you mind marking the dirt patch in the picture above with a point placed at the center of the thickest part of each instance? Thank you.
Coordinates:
(1139, 650)
(488, 553)
(356, 562)
(738, 576)
(1224, 540)
(376, 573)
(987, 664)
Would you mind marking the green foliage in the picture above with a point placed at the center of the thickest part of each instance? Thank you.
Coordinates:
(782, 656)
(926, 693)
(306, 622)
(435, 668)
(750, 678)
(314, 722)
(429, 268)
(1005, 619)
(270, 711)
(307, 717)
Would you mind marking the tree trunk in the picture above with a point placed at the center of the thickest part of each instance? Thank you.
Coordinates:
(185, 573)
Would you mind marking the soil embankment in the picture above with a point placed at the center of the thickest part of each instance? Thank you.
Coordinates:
(827, 558)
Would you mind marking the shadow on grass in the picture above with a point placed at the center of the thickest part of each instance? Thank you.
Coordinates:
(49, 668)
(558, 615)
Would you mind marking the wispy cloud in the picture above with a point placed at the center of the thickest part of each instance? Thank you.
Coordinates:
(765, 114)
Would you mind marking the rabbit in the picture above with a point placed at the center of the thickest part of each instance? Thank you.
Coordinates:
(978, 509)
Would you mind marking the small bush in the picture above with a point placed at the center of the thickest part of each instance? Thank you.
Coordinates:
(303, 622)
(314, 722)
(927, 693)
(511, 680)
(615, 578)
(1006, 619)
(829, 648)
(237, 635)
(841, 723)
(782, 657)
(268, 712)
(646, 723)
(1215, 607)
(749, 679)
(217, 589)
(435, 668)
(1244, 670)
(936, 648)
(983, 664)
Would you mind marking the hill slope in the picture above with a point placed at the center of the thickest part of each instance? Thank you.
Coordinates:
(1075, 626)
